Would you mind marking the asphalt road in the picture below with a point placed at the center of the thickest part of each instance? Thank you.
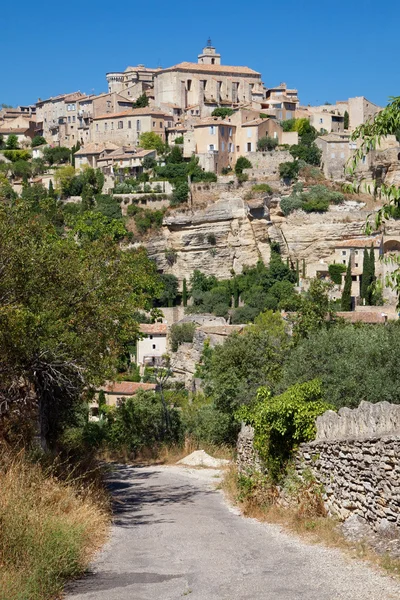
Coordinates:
(174, 536)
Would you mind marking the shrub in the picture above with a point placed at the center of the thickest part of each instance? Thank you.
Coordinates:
(310, 154)
(170, 256)
(146, 219)
(16, 155)
(282, 422)
(242, 177)
(244, 314)
(291, 203)
(38, 140)
(207, 424)
(289, 170)
(262, 187)
(211, 239)
(140, 422)
(222, 112)
(267, 143)
(180, 194)
(180, 334)
(179, 139)
(242, 163)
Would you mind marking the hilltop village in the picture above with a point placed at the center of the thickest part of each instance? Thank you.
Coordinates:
(209, 168)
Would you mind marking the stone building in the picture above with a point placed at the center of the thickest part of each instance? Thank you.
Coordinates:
(93, 106)
(132, 82)
(124, 128)
(281, 102)
(21, 126)
(56, 119)
(336, 150)
(153, 347)
(127, 158)
(214, 143)
(89, 154)
(206, 84)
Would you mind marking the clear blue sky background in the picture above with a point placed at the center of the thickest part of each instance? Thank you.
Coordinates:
(328, 50)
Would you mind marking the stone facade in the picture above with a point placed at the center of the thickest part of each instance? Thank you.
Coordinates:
(247, 459)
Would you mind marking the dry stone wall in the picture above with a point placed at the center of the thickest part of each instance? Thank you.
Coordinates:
(356, 459)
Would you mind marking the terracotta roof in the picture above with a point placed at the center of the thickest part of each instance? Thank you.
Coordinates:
(213, 121)
(154, 112)
(189, 66)
(126, 387)
(360, 243)
(254, 122)
(74, 96)
(153, 328)
(363, 317)
(95, 148)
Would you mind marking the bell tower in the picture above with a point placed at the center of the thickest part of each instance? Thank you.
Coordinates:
(209, 56)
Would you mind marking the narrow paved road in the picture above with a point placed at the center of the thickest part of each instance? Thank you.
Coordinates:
(174, 537)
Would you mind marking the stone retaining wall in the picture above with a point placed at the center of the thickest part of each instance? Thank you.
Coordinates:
(355, 457)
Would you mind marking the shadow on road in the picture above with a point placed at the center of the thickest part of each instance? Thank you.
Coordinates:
(137, 497)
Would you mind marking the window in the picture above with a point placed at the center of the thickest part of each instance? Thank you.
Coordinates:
(129, 124)
(288, 115)
(108, 103)
(138, 125)
(321, 120)
(230, 131)
(120, 124)
(230, 147)
(222, 130)
(356, 264)
(211, 147)
(69, 119)
(223, 146)
(342, 155)
(105, 126)
(73, 119)
(249, 133)
(344, 262)
(212, 129)
(356, 252)
(112, 125)
(161, 124)
(213, 61)
(97, 126)
(333, 155)
(344, 252)
(364, 158)
(154, 346)
(249, 147)
(189, 85)
(151, 337)
(154, 123)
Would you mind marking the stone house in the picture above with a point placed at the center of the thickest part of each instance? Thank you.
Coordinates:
(124, 128)
(56, 119)
(353, 250)
(127, 157)
(206, 83)
(21, 127)
(153, 346)
(115, 393)
(133, 79)
(280, 102)
(214, 143)
(336, 150)
(92, 106)
(89, 154)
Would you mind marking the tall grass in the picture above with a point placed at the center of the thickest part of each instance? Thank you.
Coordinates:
(48, 529)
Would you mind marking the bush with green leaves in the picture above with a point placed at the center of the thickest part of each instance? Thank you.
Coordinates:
(316, 199)
(207, 424)
(140, 422)
(267, 143)
(335, 272)
(146, 219)
(181, 333)
(310, 154)
(262, 187)
(242, 163)
(179, 140)
(283, 422)
(180, 194)
(222, 112)
(38, 140)
(289, 170)
(57, 155)
(16, 155)
(169, 292)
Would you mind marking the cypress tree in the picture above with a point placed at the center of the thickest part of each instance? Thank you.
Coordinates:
(346, 120)
(184, 293)
(346, 295)
(297, 272)
(304, 268)
(372, 276)
(366, 276)
(235, 293)
(51, 189)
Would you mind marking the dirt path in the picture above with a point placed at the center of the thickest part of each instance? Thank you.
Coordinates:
(174, 536)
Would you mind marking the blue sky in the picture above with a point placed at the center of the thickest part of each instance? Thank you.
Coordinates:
(328, 50)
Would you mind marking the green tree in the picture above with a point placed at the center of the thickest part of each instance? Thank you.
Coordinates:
(169, 291)
(180, 194)
(236, 369)
(38, 140)
(151, 141)
(51, 190)
(66, 312)
(235, 293)
(180, 333)
(314, 312)
(141, 102)
(267, 143)
(346, 120)
(346, 303)
(12, 142)
(222, 112)
(289, 170)
(184, 293)
(149, 163)
(242, 163)
(366, 276)
(22, 169)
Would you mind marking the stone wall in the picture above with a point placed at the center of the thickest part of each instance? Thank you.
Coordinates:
(355, 457)
(265, 165)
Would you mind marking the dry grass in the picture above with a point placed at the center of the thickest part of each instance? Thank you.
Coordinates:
(304, 516)
(49, 529)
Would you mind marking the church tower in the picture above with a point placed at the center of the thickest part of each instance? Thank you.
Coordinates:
(209, 56)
